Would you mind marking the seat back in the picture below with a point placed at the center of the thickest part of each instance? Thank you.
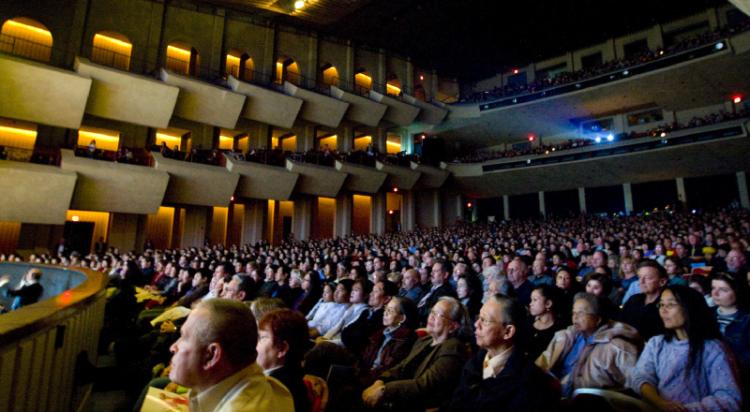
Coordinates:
(317, 392)
(602, 400)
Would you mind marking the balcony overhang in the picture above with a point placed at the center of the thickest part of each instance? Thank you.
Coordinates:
(316, 180)
(114, 187)
(318, 108)
(429, 113)
(205, 103)
(195, 183)
(361, 109)
(431, 177)
(255, 179)
(42, 94)
(128, 97)
(398, 113)
(267, 106)
(401, 177)
(361, 178)
(48, 201)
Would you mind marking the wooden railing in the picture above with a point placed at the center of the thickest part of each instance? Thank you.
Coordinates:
(42, 346)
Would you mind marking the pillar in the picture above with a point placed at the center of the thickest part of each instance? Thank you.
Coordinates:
(628, 195)
(542, 206)
(380, 74)
(123, 231)
(407, 212)
(345, 139)
(255, 217)
(269, 53)
(305, 137)
(377, 213)
(409, 81)
(681, 194)
(194, 227)
(311, 71)
(434, 86)
(437, 209)
(379, 140)
(582, 200)
(506, 207)
(742, 190)
(342, 223)
(302, 217)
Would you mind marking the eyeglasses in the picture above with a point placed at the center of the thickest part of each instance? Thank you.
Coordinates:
(581, 314)
(486, 322)
(439, 315)
(667, 305)
(391, 311)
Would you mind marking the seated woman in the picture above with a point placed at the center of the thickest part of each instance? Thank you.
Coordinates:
(358, 303)
(594, 352)
(687, 368)
(729, 293)
(545, 319)
(388, 347)
(282, 344)
(327, 318)
(565, 281)
(428, 375)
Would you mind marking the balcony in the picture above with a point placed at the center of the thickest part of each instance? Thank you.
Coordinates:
(429, 113)
(114, 187)
(255, 178)
(398, 113)
(203, 102)
(361, 179)
(318, 108)
(195, 183)
(42, 94)
(431, 177)
(400, 177)
(267, 106)
(316, 180)
(128, 97)
(361, 110)
(49, 200)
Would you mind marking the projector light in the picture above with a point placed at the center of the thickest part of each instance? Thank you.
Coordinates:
(626, 72)
(598, 139)
(719, 46)
(610, 137)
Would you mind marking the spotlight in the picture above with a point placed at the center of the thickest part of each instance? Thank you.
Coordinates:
(515, 71)
(663, 134)
(546, 152)
(719, 46)
(598, 139)
(390, 212)
(299, 4)
(737, 99)
(421, 77)
(532, 137)
(610, 137)
(395, 190)
(626, 72)
(75, 218)
(231, 199)
(469, 205)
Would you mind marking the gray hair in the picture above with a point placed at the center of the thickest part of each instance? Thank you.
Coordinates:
(457, 313)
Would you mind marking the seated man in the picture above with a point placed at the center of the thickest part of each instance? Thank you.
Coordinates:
(29, 290)
(500, 377)
(215, 358)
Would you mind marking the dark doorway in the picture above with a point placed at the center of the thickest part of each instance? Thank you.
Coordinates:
(393, 221)
(78, 236)
(286, 227)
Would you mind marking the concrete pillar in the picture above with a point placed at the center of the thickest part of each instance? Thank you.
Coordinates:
(542, 206)
(681, 194)
(346, 73)
(437, 209)
(506, 207)
(255, 217)
(342, 222)
(268, 66)
(311, 71)
(407, 211)
(628, 194)
(345, 139)
(407, 143)
(217, 41)
(123, 230)
(379, 139)
(302, 217)
(378, 212)
(742, 190)
(582, 200)
(379, 85)
(434, 86)
(305, 137)
(409, 81)
(194, 227)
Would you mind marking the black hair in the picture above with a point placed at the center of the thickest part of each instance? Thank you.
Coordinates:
(552, 294)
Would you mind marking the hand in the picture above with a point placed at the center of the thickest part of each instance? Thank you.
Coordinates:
(372, 395)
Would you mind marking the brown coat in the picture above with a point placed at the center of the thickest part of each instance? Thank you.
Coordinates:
(394, 352)
(425, 378)
(603, 364)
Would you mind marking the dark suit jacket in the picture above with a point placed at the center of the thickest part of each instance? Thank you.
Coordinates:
(425, 378)
(444, 290)
(520, 386)
(293, 380)
(394, 351)
(355, 335)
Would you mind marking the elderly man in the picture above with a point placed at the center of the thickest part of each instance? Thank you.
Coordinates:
(410, 286)
(215, 358)
(518, 275)
(500, 377)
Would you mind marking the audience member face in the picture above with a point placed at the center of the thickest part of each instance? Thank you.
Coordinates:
(563, 280)
(358, 294)
(391, 315)
(328, 293)
(411, 279)
(594, 287)
(670, 266)
(584, 318)
(377, 296)
(490, 327)
(670, 311)
(649, 280)
(539, 304)
(439, 322)
(306, 282)
(188, 352)
(597, 259)
(722, 294)
(341, 295)
(735, 260)
(269, 355)
(517, 273)
(197, 279)
(627, 267)
(438, 277)
(231, 290)
(462, 288)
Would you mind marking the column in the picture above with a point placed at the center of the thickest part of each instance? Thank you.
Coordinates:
(305, 137)
(378, 212)
(582, 200)
(506, 207)
(681, 194)
(742, 190)
(302, 217)
(409, 81)
(311, 71)
(379, 80)
(542, 206)
(194, 227)
(345, 138)
(434, 86)
(407, 211)
(628, 194)
(253, 225)
(437, 209)
(379, 139)
(342, 224)
(260, 136)
(269, 56)
(123, 231)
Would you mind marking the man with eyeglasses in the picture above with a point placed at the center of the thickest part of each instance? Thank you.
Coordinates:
(500, 377)
(641, 311)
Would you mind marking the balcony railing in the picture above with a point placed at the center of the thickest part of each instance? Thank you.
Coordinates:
(25, 48)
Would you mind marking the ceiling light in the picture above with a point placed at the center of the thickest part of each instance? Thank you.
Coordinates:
(737, 99)
(299, 4)
(598, 139)
(719, 46)
(610, 137)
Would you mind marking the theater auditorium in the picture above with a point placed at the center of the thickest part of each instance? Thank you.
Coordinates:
(371, 205)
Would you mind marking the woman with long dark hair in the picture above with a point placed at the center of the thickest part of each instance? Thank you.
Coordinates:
(545, 318)
(729, 293)
(687, 368)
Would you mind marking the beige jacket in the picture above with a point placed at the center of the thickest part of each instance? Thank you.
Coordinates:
(603, 364)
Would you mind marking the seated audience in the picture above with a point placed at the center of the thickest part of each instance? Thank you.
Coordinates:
(641, 311)
(546, 319)
(427, 376)
(687, 368)
(328, 317)
(439, 287)
(29, 290)
(500, 377)
(354, 336)
(594, 352)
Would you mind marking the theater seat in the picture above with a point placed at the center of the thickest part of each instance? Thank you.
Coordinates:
(602, 400)
(317, 392)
